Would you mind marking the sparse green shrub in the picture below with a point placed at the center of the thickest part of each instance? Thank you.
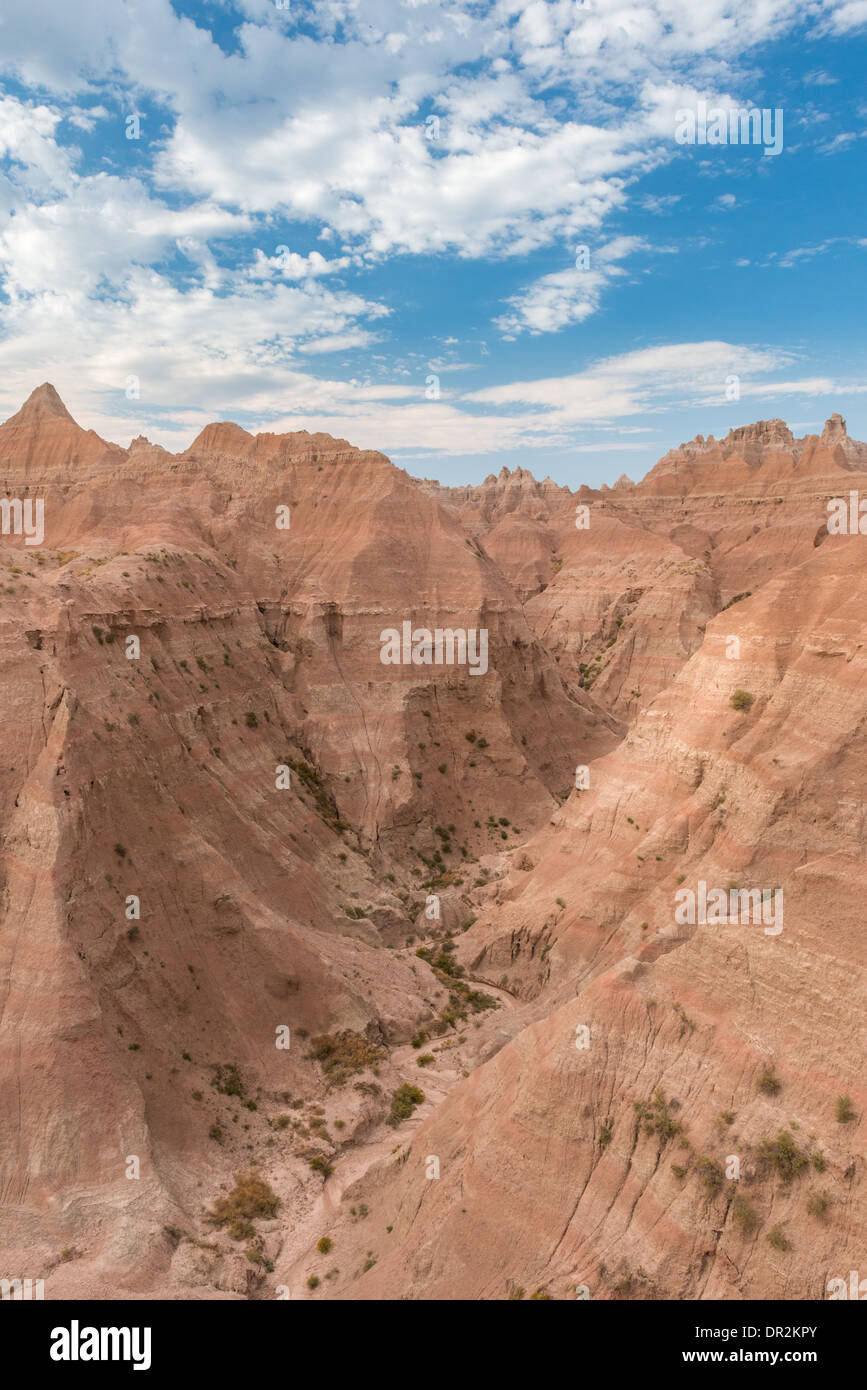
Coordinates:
(403, 1102)
(777, 1238)
(747, 594)
(742, 700)
(744, 1216)
(656, 1117)
(711, 1175)
(227, 1080)
(326, 807)
(686, 1022)
(782, 1156)
(342, 1054)
(818, 1205)
(251, 1197)
(769, 1083)
(843, 1110)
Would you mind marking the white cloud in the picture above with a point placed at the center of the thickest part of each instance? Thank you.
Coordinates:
(27, 139)
(341, 138)
(847, 17)
(269, 394)
(660, 203)
(376, 179)
(567, 296)
(838, 143)
(236, 343)
(638, 382)
(51, 247)
(320, 126)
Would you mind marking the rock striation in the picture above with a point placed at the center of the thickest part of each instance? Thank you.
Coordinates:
(272, 902)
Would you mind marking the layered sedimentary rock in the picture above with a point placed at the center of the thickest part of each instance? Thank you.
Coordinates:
(253, 875)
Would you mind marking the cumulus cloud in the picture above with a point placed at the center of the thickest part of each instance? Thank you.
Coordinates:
(847, 17)
(495, 130)
(567, 296)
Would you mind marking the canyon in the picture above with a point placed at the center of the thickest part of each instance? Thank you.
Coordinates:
(326, 977)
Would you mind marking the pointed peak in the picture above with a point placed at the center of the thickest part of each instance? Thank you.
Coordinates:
(835, 430)
(42, 404)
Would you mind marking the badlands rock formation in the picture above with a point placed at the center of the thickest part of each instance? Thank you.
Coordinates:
(257, 884)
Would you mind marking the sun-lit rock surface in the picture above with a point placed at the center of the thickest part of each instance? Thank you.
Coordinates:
(170, 906)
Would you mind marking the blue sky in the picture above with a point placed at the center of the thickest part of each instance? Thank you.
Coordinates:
(432, 169)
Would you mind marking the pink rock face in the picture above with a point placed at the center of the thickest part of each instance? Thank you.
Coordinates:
(259, 883)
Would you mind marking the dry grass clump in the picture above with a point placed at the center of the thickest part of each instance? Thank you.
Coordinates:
(342, 1054)
(250, 1197)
